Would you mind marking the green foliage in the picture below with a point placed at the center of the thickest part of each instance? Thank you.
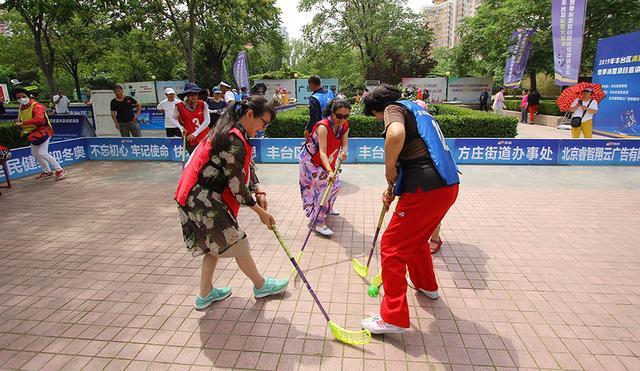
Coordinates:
(387, 39)
(10, 136)
(455, 122)
(547, 107)
(484, 42)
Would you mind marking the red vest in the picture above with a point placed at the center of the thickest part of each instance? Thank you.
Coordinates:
(198, 160)
(191, 120)
(333, 143)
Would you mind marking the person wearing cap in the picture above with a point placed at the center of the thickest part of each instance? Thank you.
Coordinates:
(193, 115)
(585, 107)
(171, 125)
(227, 92)
(35, 125)
(216, 105)
(123, 115)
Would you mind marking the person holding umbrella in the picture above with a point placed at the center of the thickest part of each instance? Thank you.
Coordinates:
(584, 108)
(193, 116)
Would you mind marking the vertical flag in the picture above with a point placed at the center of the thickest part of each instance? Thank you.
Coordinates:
(518, 56)
(567, 25)
(240, 70)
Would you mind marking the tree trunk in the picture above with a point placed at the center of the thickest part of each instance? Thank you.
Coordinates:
(532, 80)
(47, 70)
(191, 70)
(76, 80)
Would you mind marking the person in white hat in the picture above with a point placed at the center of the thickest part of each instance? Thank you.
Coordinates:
(228, 93)
(171, 124)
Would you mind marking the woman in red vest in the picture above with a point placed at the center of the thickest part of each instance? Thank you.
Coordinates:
(33, 120)
(328, 140)
(218, 178)
(193, 115)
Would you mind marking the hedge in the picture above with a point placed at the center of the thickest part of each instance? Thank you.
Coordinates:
(455, 122)
(10, 136)
(548, 107)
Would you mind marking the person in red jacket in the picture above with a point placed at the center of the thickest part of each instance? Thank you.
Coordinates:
(35, 125)
(193, 115)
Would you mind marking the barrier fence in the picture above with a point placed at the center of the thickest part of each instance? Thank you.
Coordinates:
(476, 151)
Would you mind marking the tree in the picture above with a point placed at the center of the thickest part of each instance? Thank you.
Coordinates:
(367, 25)
(485, 38)
(42, 18)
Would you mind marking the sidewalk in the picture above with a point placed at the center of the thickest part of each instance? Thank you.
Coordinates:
(540, 269)
(526, 131)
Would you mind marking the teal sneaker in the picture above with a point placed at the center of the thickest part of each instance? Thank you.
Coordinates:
(216, 294)
(271, 286)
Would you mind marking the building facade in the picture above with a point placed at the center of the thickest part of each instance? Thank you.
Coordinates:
(444, 18)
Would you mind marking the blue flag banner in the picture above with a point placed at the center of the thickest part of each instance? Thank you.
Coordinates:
(241, 70)
(518, 56)
(617, 70)
(567, 27)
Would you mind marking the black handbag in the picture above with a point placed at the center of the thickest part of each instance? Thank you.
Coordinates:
(576, 122)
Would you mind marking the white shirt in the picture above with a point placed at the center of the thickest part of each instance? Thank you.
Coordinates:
(579, 111)
(169, 107)
(203, 125)
(229, 96)
(498, 101)
(62, 106)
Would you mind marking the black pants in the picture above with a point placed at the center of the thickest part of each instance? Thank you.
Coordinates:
(484, 105)
(173, 132)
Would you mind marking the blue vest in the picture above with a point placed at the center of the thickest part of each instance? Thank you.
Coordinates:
(430, 133)
(238, 97)
(324, 99)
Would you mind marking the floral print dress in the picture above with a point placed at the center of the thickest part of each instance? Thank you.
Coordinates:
(208, 225)
(314, 180)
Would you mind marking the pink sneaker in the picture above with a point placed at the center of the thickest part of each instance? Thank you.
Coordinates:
(44, 175)
(60, 174)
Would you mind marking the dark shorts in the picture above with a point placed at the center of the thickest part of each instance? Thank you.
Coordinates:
(173, 132)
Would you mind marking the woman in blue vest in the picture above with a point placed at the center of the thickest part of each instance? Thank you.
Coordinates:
(218, 178)
(420, 167)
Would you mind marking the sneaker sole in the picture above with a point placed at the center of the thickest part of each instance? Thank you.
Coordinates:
(271, 293)
(212, 301)
(61, 178)
(382, 332)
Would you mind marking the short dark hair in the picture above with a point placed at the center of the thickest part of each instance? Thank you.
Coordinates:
(118, 86)
(20, 90)
(526, 90)
(379, 98)
(314, 80)
(335, 105)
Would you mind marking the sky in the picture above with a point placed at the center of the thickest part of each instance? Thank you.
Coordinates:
(294, 20)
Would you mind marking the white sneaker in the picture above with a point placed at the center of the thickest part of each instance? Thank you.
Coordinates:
(334, 212)
(430, 294)
(376, 325)
(324, 230)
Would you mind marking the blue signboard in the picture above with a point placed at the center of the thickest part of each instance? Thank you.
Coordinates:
(599, 152)
(505, 151)
(617, 69)
(66, 152)
(70, 126)
(85, 110)
(303, 93)
(151, 118)
(147, 149)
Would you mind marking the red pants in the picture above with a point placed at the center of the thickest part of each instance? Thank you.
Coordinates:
(533, 109)
(405, 244)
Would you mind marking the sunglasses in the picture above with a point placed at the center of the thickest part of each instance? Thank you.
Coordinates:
(341, 116)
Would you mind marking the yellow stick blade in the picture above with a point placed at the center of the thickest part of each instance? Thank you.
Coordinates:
(348, 336)
(377, 280)
(361, 270)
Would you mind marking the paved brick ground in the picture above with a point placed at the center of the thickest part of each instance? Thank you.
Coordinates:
(540, 269)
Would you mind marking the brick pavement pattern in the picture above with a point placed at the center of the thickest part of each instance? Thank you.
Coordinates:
(94, 275)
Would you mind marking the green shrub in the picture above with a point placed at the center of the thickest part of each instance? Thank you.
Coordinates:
(455, 122)
(547, 107)
(10, 136)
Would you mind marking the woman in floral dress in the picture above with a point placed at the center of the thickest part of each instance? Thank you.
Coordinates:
(328, 140)
(218, 178)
